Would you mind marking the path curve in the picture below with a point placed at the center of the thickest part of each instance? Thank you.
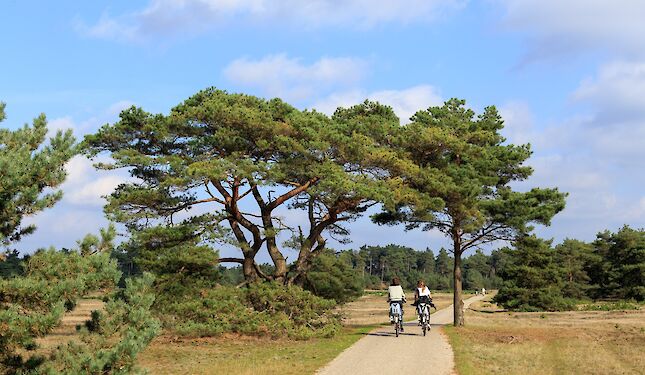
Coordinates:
(380, 352)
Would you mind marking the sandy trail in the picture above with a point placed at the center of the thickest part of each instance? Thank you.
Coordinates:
(380, 352)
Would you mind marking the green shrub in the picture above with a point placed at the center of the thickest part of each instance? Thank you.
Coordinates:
(115, 337)
(260, 310)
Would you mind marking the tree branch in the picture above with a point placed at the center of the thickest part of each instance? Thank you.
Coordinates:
(291, 193)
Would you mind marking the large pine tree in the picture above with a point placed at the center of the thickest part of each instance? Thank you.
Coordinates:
(241, 160)
(462, 161)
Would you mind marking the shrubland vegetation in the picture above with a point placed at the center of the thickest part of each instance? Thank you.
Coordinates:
(224, 168)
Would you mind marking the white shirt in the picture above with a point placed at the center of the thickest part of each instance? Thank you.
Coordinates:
(423, 292)
(395, 293)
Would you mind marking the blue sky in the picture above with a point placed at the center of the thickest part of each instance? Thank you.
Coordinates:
(568, 77)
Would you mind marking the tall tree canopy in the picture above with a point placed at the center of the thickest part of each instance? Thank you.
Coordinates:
(30, 172)
(462, 160)
(247, 158)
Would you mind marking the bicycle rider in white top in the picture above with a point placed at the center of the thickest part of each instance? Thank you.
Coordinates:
(421, 294)
(396, 294)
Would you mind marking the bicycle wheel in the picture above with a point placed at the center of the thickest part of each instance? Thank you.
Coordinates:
(397, 327)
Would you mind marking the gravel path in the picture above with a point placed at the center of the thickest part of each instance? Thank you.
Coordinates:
(380, 352)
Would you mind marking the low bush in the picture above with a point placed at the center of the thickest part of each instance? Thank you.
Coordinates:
(260, 310)
(531, 300)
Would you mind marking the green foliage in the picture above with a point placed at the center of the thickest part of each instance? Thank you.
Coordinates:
(175, 255)
(574, 256)
(539, 277)
(90, 272)
(480, 272)
(33, 304)
(92, 244)
(532, 278)
(231, 276)
(125, 328)
(617, 269)
(611, 306)
(32, 170)
(263, 309)
(217, 148)
(11, 264)
(332, 276)
(461, 172)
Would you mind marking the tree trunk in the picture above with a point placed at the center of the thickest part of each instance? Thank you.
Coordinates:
(279, 262)
(248, 267)
(458, 303)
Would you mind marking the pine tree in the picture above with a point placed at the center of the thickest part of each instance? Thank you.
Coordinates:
(218, 149)
(533, 277)
(619, 269)
(462, 171)
(31, 171)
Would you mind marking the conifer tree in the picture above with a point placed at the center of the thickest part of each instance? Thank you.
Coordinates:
(245, 158)
(533, 277)
(30, 172)
(463, 166)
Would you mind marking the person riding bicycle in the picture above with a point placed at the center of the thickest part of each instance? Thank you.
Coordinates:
(396, 295)
(422, 295)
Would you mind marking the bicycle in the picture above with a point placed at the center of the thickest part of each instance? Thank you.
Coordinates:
(424, 315)
(396, 316)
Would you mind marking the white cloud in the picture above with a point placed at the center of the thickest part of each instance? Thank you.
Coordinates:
(561, 27)
(405, 102)
(519, 124)
(85, 186)
(291, 79)
(618, 91)
(599, 166)
(89, 125)
(172, 17)
(62, 123)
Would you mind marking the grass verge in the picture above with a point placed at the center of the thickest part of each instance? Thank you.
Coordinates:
(245, 355)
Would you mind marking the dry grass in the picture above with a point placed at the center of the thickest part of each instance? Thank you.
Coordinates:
(245, 355)
(585, 342)
(372, 308)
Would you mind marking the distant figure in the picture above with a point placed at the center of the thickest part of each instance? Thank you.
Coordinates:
(483, 291)
(396, 295)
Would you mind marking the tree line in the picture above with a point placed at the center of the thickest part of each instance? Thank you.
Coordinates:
(539, 276)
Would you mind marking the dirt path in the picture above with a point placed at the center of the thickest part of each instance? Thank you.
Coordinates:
(380, 352)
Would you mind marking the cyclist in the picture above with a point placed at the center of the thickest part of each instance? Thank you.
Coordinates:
(421, 295)
(396, 295)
